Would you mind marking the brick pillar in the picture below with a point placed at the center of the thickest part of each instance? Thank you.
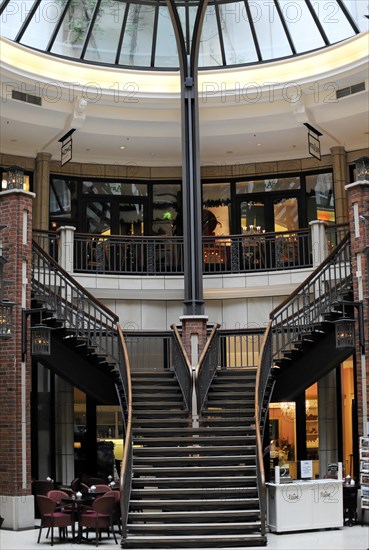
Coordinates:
(16, 501)
(194, 336)
(358, 201)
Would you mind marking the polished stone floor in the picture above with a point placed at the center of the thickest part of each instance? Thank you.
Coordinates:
(346, 538)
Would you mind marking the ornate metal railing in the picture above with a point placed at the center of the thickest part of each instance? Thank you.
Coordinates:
(206, 367)
(304, 308)
(252, 252)
(81, 313)
(149, 350)
(335, 234)
(95, 253)
(240, 347)
(182, 368)
(48, 241)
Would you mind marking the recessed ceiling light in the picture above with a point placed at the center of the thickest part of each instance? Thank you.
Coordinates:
(229, 152)
(13, 140)
(122, 147)
(258, 144)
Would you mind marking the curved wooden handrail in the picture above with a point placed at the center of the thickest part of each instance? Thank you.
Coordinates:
(125, 473)
(259, 441)
(74, 282)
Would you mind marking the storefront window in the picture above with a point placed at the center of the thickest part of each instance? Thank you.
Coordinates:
(216, 200)
(114, 188)
(63, 198)
(267, 185)
(282, 437)
(320, 197)
(166, 206)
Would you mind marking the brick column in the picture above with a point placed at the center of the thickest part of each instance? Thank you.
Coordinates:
(358, 201)
(194, 336)
(16, 501)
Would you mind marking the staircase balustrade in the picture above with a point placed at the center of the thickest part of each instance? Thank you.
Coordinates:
(85, 318)
(206, 367)
(182, 368)
(125, 399)
(80, 312)
(304, 308)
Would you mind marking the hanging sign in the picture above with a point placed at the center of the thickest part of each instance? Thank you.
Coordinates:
(66, 147)
(314, 142)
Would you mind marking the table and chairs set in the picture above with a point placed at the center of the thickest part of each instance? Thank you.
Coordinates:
(94, 508)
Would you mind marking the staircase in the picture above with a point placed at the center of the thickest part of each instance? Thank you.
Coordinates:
(194, 485)
(303, 329)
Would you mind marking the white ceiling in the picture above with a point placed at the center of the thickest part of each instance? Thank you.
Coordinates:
(233, 128)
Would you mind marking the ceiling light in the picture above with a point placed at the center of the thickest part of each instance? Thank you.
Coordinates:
(122, 147)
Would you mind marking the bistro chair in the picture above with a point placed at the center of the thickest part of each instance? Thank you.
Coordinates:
(51, 518)
(101, 517)
(116, 512)
(57, 495)
(41, 487)
(102, 488)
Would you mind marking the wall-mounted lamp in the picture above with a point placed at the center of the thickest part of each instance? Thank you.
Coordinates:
(15, 177)
(345, 328)
(40, 335)
(362, 169)
(40, 340)
(345, 333)
(6, 319)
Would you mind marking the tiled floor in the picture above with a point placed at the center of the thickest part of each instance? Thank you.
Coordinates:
(347, 538)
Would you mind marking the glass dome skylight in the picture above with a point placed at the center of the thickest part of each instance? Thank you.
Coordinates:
(140, 33)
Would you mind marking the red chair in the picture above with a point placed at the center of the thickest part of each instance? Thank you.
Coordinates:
(117, 511)
(51, 518)
(101, 488)
(57, 495)
(101, 517)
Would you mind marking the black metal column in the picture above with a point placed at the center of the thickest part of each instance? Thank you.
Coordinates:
(191, 182)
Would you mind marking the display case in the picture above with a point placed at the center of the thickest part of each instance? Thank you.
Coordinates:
(312, 430)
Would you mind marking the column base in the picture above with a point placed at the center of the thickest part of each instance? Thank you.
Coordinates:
(18, 512)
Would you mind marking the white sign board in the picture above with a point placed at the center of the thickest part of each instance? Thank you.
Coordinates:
(306, 469)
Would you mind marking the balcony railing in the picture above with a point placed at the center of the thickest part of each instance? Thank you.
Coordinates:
(150, 256)
(164, 255)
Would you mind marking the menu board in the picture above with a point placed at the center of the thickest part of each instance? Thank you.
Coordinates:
(306, 469)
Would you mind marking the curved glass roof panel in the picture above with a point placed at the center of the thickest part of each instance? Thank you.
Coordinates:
(140, 33)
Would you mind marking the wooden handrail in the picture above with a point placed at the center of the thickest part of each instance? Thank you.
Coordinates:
(125, 476)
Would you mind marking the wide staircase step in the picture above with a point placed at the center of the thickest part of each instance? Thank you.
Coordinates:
(194, 485)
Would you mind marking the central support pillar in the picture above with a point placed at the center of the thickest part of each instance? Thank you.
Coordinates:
(194, 336)
(188, 53)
